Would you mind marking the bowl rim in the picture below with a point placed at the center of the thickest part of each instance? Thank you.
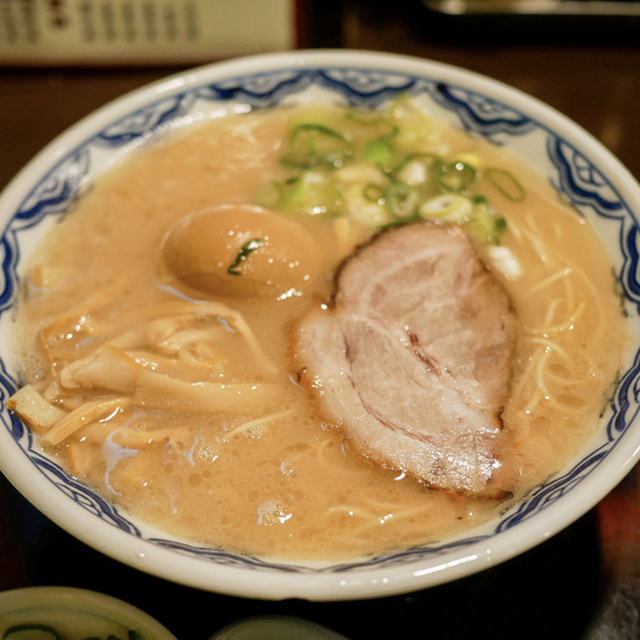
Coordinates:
(344, 584)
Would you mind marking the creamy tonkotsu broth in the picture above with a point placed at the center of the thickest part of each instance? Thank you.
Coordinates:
(156, 327)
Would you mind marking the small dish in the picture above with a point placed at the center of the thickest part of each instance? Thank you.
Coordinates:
(65, 612)
(281, 627)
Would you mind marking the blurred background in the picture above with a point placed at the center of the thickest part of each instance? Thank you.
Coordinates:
(62, 59)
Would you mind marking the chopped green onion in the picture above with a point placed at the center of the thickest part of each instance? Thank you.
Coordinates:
(416, 167)
(448, 206)
(484, 224)
(316, 144)
(401, 199)
(456, 176)
(314, 192)
(373, 193)
(247, 249)
(428, 159)
(480, 201)
(378, 150)
(506, 183)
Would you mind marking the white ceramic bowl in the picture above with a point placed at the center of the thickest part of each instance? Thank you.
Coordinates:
(585, 172)
(74, 613)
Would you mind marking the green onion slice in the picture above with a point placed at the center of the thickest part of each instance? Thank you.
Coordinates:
(484, 224)
(313, 144)
(456, 176)
(506, 183)
(413, 164)
(373, 193)
(500, 224)
(314, 192)
(378, 150)
(247, 249)
(447, 206)
(401, 199)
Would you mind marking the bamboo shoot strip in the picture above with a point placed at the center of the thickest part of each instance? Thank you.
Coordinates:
(157, 391)
(83, 415)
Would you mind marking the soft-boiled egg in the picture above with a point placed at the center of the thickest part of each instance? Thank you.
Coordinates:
(242, 251)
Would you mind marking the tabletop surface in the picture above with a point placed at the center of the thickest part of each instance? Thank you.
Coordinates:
(584, 582)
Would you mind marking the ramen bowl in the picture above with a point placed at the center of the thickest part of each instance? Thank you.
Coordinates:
(586, 175)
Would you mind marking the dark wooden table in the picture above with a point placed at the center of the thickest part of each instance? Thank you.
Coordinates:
(585, 582)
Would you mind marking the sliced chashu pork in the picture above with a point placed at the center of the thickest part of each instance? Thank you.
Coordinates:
(412, 360)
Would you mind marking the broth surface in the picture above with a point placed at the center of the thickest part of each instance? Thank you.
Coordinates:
(247, 464)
